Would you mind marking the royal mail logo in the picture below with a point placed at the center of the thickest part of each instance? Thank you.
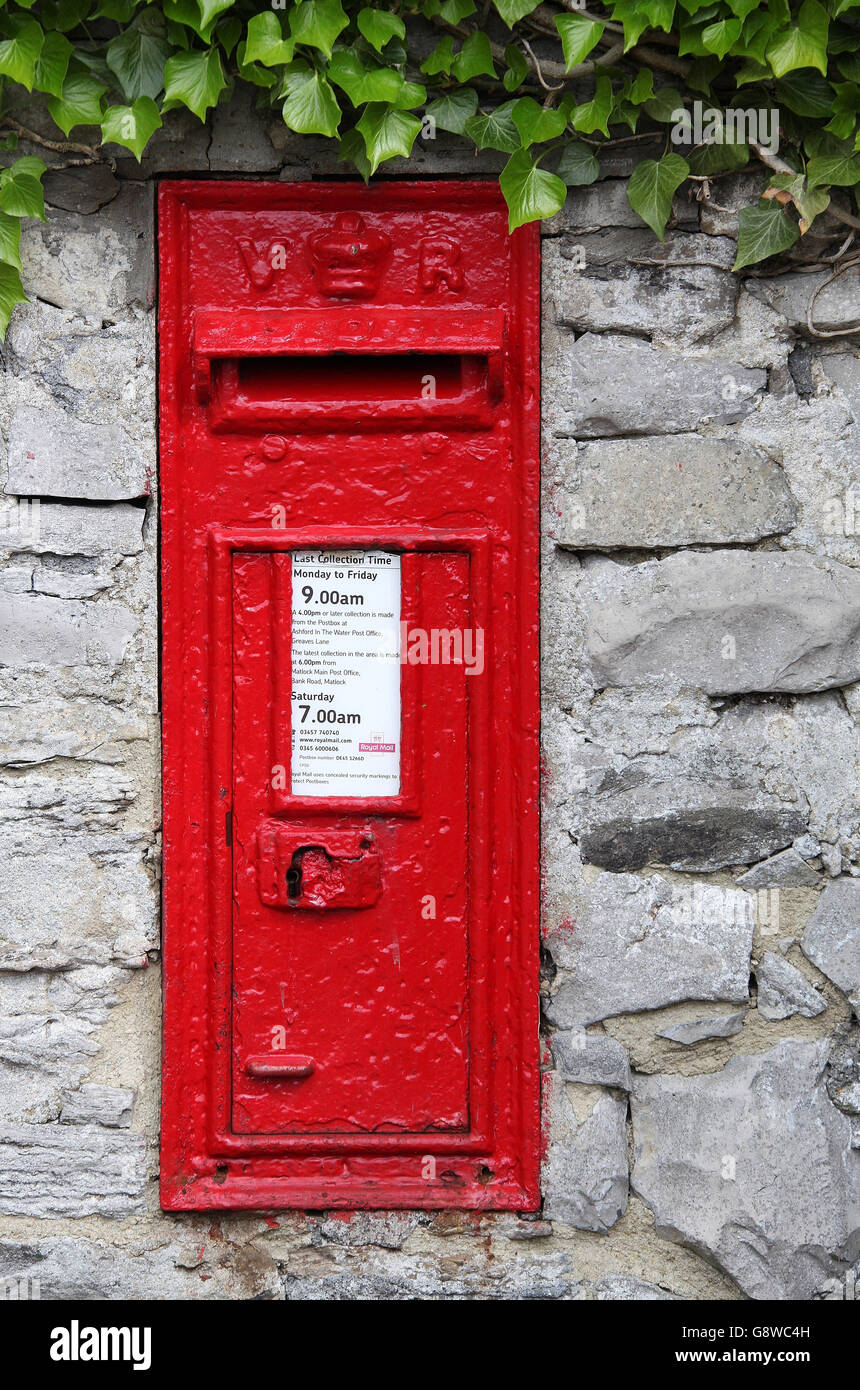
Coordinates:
(377, 746)
(349, 259)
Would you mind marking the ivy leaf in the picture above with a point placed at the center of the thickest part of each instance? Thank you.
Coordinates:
(804, 44)
(763, 231)
(594, 114)
(806, 93)
(495, 131)
(718, 38)
(835, 170)
(529, 191)
(19, 55)
(11, 293)
(21, 191)
(137, 61)
(53, 64)
(715, 157)
(10, 240)
(792, 188)
(211, 9)
(454, 109)
(194, 79)
(441, 59)
(317, 23)
(537, 123)
(517, 70)
(311, 106)
(664, 105)
(387, 132)
(631, 15)
(578, 165)
(133, 125)
(474, 58)
(659, 13)
(578, 37)
(514, 10)
(845, 108)
(351, 151)
(653, 185)
(455, 10)
(266, 43)
(79, 102)
(363, 84)
(378, 26)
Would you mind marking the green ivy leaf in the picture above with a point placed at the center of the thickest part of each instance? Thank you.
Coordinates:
(653, 185)
(211, 9)
(21, 190)
(763, 231)
(266, 43)
(311, 107)
(717, 158)
(594, 114)
(455, 10)
(630, 14)
(529, 191)
(19, 54)
(846, 106)
(317, 23)
(441, 59)
(53, 64)
(578, 37)
(474, 58)
(804, 44)
(665, 102)
(537, 123)
(720, 37)
(578, 165)
(194, 79)
(133, 125)
(11, 293)
(351, 151)
(514, 10)
(79, 102)
(10, 240)
(517, 69)
(837, 171)
(495, 131)
(387, 133)
(452, 111)
(361, 83)
(806, 93)
(378, 26)
(659, 13)
(137, 61)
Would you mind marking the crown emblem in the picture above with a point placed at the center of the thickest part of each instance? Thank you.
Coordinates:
(348, 259)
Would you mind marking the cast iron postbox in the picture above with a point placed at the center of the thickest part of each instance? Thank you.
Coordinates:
(349, 477)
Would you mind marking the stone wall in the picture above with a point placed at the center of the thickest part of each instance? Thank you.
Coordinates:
(701, 820)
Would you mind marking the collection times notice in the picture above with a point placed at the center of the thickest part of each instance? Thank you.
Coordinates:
(345, 673)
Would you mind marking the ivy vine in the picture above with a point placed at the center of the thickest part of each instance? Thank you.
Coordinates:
(719, 84)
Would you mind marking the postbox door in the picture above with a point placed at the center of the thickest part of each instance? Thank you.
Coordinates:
(349, 1017)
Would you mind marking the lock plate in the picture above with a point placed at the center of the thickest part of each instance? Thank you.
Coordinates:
(318, 871)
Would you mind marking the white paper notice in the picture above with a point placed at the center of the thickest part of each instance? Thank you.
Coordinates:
(346, 673)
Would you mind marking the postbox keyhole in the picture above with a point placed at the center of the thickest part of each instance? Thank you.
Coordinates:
(294, 878)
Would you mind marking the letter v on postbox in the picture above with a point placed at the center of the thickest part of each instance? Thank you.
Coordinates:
(349, 500)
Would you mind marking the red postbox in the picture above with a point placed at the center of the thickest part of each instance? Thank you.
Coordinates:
(349, 483)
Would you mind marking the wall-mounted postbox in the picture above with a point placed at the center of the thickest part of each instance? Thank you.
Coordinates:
(349, 475)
